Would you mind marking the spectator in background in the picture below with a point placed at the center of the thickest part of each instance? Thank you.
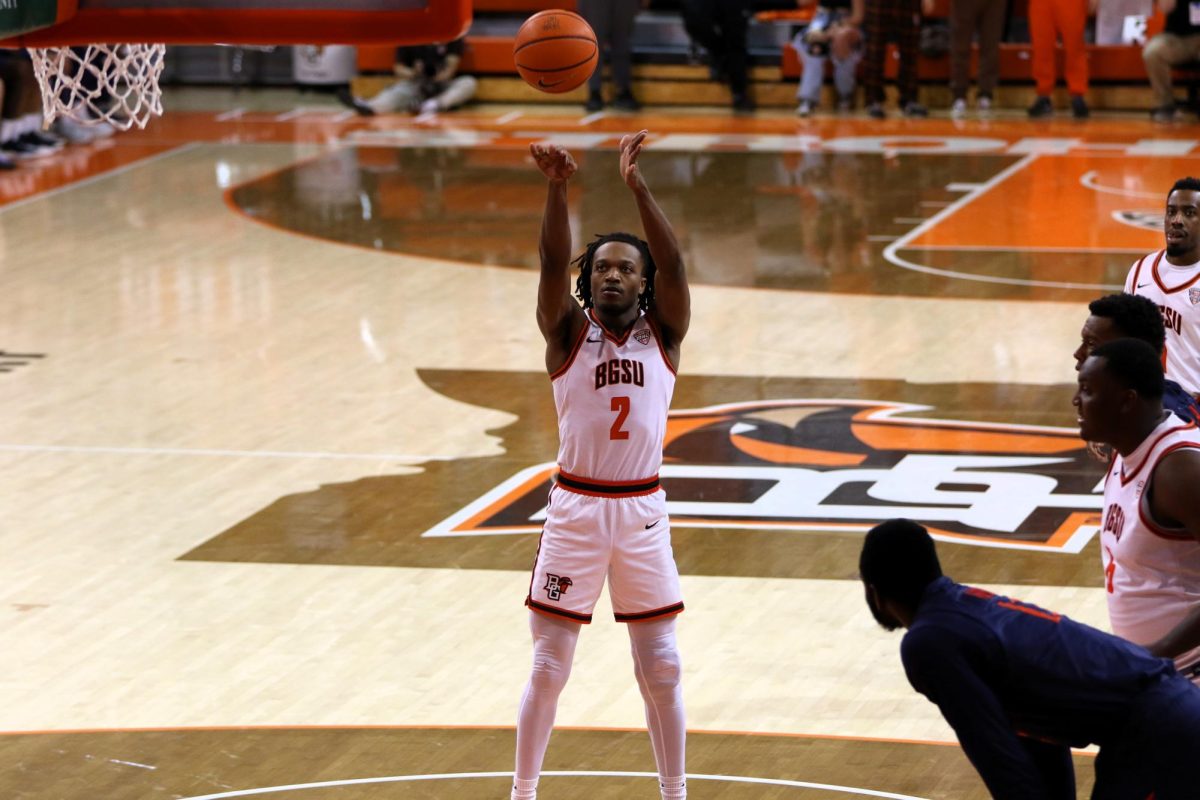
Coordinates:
(427, 81)
(969, 18)
(1049, 19)
(612, 21)
(1179, 42)
(899, 21)
(834, 33)
(719, 26)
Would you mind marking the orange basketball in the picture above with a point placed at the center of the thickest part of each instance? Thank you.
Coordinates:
(555, 51)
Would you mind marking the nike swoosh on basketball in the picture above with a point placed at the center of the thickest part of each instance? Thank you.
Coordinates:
(652, 524)
(542, 83)
(594, 340)
(1143, 285)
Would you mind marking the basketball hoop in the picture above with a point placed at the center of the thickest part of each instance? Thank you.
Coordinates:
(116, 84)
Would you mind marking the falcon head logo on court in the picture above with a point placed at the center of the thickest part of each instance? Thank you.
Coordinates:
(556, 587)
(845, 465)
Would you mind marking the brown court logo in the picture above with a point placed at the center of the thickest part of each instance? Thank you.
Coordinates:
(809, 464)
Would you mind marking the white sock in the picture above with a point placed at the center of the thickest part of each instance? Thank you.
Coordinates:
(524, 790)
(673, 788)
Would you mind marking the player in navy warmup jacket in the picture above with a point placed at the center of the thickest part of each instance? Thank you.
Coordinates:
(1021, 685)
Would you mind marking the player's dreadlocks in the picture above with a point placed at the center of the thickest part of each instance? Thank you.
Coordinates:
(583, 286)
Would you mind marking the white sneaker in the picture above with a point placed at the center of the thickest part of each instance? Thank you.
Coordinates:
(805, 108)
(984, 104)
(430, 106)
(959, 109)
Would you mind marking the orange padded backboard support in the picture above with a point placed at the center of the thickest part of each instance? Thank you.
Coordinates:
(256, 22)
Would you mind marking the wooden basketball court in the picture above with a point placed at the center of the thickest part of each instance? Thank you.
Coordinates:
(276, 433)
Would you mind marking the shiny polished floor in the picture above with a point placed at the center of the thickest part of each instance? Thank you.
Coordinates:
(276, 434)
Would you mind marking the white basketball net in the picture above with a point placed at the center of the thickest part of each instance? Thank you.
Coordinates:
(113, 83)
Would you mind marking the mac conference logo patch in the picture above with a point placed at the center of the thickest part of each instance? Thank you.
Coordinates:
(809, 464)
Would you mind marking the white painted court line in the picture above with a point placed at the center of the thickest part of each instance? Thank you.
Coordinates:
(990, 248)
(232, 113)
(554, 773)
(186, 451)
(174, 151)
(1090, 180)
(509, 117)
(891, 252)
(590, 118)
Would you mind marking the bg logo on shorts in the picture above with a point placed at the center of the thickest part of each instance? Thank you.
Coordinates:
(556, 587)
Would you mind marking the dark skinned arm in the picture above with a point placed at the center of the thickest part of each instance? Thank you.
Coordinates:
(558, 314)
(672, 298)
(1175, 503)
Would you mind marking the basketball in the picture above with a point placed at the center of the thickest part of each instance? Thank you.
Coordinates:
(555, 51)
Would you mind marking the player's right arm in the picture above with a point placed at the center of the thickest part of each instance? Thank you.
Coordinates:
(940, 665)
(559, 316)
(1175, 503)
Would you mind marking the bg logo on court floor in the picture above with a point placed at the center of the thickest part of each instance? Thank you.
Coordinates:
(846, 464)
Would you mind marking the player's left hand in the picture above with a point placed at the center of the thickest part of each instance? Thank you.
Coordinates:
(631, 148)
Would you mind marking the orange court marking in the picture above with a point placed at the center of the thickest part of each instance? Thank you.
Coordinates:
(1047, 206)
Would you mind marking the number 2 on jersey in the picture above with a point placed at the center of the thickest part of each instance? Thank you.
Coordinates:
(621, 406)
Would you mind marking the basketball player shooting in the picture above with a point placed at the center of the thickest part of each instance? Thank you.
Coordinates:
(612, 356)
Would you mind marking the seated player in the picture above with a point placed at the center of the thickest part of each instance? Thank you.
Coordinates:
(834, 33)
(1021, 685)
(427, 81)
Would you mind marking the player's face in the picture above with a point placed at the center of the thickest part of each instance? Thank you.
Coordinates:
(885, 620)
(1097, 401)
(1096, 331)
(1182, 225)
(617, 277)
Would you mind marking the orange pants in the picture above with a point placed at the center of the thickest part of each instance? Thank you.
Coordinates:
(1049, 19)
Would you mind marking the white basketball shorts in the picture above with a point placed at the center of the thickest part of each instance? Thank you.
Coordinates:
(586, 538)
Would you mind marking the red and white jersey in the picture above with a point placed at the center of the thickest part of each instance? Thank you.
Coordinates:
(1176, 292)
(612, 397)
(1152, 573)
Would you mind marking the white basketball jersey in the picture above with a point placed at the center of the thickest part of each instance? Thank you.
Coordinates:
(1176, 292)
(612, 397)
(1152, 574)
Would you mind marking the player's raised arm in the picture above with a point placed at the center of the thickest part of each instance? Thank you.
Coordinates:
(558, 314)
(672, 300)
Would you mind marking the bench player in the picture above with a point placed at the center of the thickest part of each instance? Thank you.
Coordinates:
(612, 356)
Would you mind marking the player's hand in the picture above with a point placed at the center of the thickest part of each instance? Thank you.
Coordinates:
(631, 148)
(1166, 6)
(927, 7)
(1100, 452)
(554, 161)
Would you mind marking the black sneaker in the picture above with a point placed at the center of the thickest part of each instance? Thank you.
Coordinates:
(350, 101)
(625, 101)
(22, 149)
(914, 109)
(594, 102)
(742, 104)
(1165, 113)
(1040, 108)
(45, 139)
(1079, 107)
(875, 111)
